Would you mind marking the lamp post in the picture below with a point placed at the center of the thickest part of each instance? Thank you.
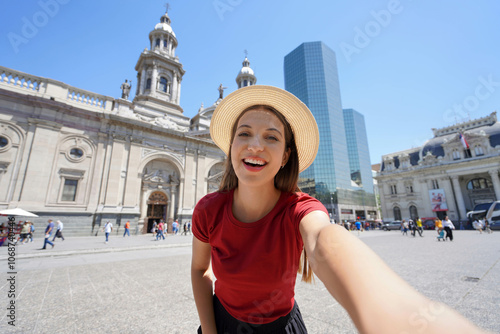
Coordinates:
(331, 205)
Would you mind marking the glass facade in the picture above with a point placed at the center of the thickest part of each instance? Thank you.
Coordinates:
(311, 75)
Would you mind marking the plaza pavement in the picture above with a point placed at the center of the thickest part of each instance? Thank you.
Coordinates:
(137, 285)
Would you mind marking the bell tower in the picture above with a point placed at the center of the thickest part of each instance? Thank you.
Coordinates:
(159, 72)
(246, 76)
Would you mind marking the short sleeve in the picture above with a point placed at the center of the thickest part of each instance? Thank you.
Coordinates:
(200, 221)
(307, 204)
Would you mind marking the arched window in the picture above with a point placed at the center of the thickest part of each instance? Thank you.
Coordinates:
(157, 42)
(163, 84)
(245, 83)
(164, 43)
(479, 183)
(413, 212)
(148, 83)
(397, 213)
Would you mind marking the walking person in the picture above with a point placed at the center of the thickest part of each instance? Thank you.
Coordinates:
(32, 231)
(404, 225)
(420, 228)
(258, 224)
(108, 228)
(24, 234)
(127, 229)
(413, 227)
(59, 229)
(448, 227)
(487, 226)
(48, 233)
(159, 234)
(439, 225)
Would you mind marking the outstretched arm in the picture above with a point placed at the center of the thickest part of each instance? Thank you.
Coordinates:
(201, 281)
(329, 249)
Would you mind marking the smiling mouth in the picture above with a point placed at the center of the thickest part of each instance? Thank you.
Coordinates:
(254, 162)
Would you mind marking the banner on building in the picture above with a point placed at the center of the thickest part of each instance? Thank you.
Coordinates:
(438, 200)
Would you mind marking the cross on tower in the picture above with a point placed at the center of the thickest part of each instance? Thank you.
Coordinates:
(246, 53)
(167, 7)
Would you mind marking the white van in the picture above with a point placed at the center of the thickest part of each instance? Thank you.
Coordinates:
(490, 211)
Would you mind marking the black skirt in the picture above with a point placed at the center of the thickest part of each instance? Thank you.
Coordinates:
(292, 323)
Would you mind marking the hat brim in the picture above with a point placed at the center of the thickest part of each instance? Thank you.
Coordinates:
(297, 114)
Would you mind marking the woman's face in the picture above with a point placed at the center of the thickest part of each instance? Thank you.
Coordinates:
(258, 148)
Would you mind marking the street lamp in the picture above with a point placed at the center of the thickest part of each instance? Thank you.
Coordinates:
(331, 205)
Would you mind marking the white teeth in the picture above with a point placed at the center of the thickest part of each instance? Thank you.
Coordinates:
(255, 162)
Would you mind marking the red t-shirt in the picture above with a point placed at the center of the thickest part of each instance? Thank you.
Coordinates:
(255, 263)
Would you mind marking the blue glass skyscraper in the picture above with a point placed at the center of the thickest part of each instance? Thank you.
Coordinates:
(311, 75)
(357, 150)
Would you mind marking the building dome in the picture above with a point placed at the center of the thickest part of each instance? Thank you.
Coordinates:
(246, 76)
(164, 25)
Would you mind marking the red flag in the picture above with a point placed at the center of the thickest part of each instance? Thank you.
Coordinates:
(464, 142)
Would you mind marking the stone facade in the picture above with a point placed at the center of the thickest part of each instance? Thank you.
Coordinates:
(448, 175)
(84, 158)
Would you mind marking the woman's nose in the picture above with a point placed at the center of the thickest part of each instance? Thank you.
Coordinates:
(255, 144)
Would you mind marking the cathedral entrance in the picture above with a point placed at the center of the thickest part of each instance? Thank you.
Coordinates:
(157, 209)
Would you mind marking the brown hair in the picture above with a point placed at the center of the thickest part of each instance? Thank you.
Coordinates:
(285, 180)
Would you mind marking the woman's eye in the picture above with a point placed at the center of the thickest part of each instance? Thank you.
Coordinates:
(243, 134)
(272, 138)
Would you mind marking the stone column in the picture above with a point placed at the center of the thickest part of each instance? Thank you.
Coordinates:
(496, 182)
(143, 80)
(426, 203)
(446, 184)
(172, 202)
(459, 197)
(179, 90)
(154, 81)
(174, 89)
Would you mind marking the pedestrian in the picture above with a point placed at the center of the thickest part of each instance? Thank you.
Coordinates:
(413, 227)
(448, 227)
(487, 226)
(253, 230)
(175, 226)
(358, 226)
(108, 228)
(404, 227)
(24, 234)
(189, 226)
(159, 234)
(127, 229)
(59, 229)
(154, 229)
(439, 225)
(32, 231)
(478, 225)
(184, 229)
(48, 233)
(420, 228)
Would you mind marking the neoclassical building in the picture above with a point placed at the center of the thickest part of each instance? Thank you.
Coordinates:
(451, 173)
(70, 154)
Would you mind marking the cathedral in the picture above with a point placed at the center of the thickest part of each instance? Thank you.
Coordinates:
(85, 158)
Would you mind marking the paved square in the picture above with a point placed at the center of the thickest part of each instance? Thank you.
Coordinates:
(136, 285)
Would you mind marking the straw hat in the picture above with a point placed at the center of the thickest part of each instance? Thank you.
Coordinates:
(300, 118)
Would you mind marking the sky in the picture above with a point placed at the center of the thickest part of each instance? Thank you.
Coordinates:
(407, 65)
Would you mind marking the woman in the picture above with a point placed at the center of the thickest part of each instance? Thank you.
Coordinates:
(254, 228)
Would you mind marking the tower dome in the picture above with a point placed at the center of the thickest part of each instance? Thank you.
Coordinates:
(162, 37)
(246, 76)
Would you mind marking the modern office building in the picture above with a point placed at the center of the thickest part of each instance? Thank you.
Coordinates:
(311, 75)
(357, 150)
